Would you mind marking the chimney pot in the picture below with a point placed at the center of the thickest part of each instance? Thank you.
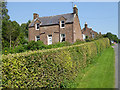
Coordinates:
(35, 15)
(85, 24)
(75, 10)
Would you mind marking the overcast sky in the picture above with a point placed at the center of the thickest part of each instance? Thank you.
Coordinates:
(101, 16)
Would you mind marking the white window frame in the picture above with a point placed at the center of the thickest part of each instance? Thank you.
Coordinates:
(36, 38)
(93, 35)
(84, 37)
(36, 26)
(48, 39)
(61, 37)
(62, 23)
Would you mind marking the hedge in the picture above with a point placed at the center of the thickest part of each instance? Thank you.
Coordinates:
(48, 68)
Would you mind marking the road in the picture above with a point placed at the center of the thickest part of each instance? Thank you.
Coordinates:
(116, 65)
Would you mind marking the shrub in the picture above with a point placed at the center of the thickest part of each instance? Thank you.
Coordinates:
(19, 49)
(5, 50)
(78, 42)
(32, 45)
(58, 44)
(48, 68)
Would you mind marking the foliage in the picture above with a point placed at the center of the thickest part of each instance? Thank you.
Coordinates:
(5, 15)
(12, 33)
(48, 68)
(24, 28)
(89, 39)
(111, 36)
(119, 40)
(78, 42)
(58, 44)
(32, 45)
(102, 69)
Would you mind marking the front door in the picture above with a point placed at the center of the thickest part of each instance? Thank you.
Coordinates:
(49, 39)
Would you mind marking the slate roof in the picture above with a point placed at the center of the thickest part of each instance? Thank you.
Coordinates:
(50, 20)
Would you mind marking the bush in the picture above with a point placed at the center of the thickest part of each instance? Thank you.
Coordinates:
(78, 42)
(19, 49)
(48, 68)
(32, 45)
(5, 51)
(58, 44)
(89, 40)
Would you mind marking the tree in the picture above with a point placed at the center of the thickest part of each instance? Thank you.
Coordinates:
(111, 36)
(5, 15)
(24, 28)
(5, 21)
(12, 33)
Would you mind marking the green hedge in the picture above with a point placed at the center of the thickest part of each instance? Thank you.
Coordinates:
(48, 68)
(33, 45)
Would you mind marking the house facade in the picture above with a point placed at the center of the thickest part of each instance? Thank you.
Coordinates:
(59, 28)
(88, 32)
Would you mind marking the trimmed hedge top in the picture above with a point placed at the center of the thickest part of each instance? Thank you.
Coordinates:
(48, 68)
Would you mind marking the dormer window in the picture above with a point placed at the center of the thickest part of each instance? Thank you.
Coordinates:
(37, 26)
(62, 24)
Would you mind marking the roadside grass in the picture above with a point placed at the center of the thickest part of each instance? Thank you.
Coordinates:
(100, 74)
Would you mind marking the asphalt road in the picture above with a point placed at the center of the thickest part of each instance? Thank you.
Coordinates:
(117, 65)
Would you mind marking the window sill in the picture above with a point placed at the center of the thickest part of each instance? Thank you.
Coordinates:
(62, 27)
(37, 29)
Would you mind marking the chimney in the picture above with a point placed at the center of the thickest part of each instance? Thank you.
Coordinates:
(75, 10)
(99, 33)
(35, 15)
(85, 24)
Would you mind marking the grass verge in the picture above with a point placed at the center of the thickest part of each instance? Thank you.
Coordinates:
(100, 74)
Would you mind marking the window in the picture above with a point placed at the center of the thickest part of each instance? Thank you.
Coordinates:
(84, 36)
(93, 35)
(62, 38)
(37, 26)
(62, 24)
(49, 39)
(37, 38)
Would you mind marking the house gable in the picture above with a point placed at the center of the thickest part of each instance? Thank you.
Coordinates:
(59, 27)
(62, 18)
(89, 32)
(77, 34)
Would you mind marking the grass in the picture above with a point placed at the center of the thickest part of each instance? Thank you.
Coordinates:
(100, 74)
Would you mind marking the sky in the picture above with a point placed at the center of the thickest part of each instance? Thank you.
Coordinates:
(101, 16)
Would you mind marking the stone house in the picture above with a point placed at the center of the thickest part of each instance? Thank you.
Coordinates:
(59, 28)
(88, 32)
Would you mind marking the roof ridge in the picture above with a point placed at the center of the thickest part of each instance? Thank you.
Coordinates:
(55, 15)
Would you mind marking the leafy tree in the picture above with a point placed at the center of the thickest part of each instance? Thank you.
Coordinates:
(12, 33)
(111, 36)
(119, 40)
(11, 30)
(24, 28)
(5, 21)
(5, 15)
